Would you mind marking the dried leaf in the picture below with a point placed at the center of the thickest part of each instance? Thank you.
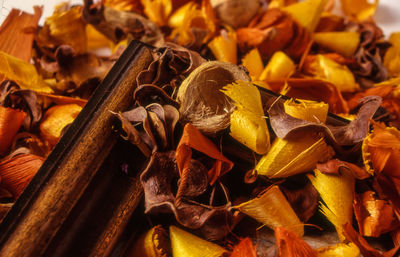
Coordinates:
(224, 46)
(339, 250)
(153, 243)
(248, 125)
(335, 165)
(186, 244)
(280, 66)
(337, 193)
(342, 42)
(307, 13)
(17, 172)
(272, 209)
(291, 245)
(244, 249)
(56, 119)
(374, 216)
(200, 99)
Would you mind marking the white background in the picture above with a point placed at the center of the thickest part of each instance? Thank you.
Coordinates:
(387, 15)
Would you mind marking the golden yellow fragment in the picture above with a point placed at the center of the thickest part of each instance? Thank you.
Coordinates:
(359, 9)
(342, 42)
(96, 40)
(302, 151)
(299, 154)
(307, 110)
(307, 13)
(158, 11)
(23, 73)
(392, 57)
(224, 46)
(123, 5)
(153, 243)
(272, 209)
(186, 244)
(280, 66)
(177, 18)
(337, 193)
(253, 63)
(56, 119)
(339, 75)
(248, 125)
(67, 27)
(339, 250)
(280, 3)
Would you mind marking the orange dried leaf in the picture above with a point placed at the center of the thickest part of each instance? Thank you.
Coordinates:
(56, 119)
(342, 42)
(244, 249)
(192, 138)
(17, 172)
(10, 122)
(272, 209)
(291, 245)
(374, 216)
(17, 33)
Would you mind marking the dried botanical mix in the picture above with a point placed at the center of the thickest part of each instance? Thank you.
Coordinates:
(238, 116)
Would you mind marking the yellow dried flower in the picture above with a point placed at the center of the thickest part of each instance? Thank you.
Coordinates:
(224, 46)
(342, 42)
(279, 67)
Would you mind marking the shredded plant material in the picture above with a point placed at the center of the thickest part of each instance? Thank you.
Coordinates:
(266, 125)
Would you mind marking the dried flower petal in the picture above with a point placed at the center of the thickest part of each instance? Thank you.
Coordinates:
(200, 99)
(253, 63)
(307, 13)
(339, 250)
(157, 10)
(10, 122)
(280, 66)
(17, 172)
(186, 244)
(272, 209)
(248, 125)
(153, 243)
(342, 42)
(291, 245)
(392, 56)
(333, 167)
(374, 216)
(56, 119)
(359, 9)
(244, 249)
(224, 46)
(337, 193)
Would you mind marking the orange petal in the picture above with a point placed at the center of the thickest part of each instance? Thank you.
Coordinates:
(291, 245)
(192, 138)
(17, 172)
(10, 122)
(244, 249)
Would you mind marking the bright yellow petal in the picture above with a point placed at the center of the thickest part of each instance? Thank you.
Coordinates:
(176, 20)
(392, 56)
(23, 73)
(186, 244)
(224, 46)
(96, 40)
(158, 11)
(272, 209)
(307, 110)
(153, 243)
(337, 193)
(359, 9)
(280, 66)
(342, 42)
(339, 250)
(307, 13)
(253, 63)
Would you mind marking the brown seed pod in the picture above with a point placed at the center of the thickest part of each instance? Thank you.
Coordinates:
(201, 101)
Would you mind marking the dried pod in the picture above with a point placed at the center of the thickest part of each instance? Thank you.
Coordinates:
(339, 250)
(56, 119)
(201, 102)
(337, 192)
(17, 172)
(273, 210)
(236, 13)
(153, 243)
(10, 122)
(186, 244)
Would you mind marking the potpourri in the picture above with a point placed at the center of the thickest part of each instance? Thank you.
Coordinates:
(229, 172)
